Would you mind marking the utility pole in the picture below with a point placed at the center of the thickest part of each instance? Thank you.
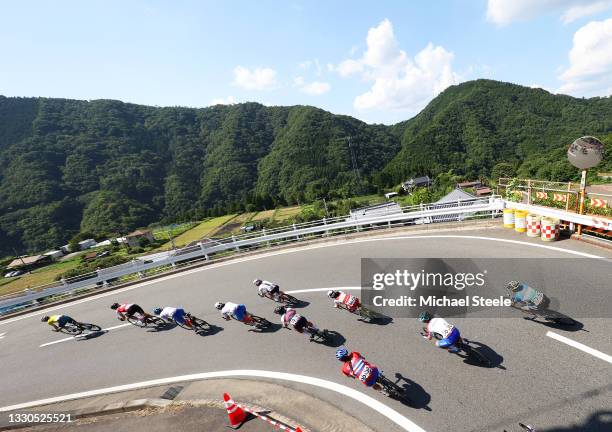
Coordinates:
(325, 205)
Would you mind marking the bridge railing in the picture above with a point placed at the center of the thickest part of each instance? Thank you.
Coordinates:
(206, 249)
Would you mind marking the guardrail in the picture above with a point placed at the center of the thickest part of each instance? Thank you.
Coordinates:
(205, 250)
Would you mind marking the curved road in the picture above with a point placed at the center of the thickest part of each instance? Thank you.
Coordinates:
(543, 381)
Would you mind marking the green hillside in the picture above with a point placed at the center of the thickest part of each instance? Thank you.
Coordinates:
(108, 167)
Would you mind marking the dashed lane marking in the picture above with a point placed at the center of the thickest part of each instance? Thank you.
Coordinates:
(83, 335)
(581, 347)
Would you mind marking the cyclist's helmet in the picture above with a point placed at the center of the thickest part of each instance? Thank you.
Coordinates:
(341, 353)
(44, 319)
(257, 282)
(333, 294)
(425, 316)
(219, 305)
(280, 310)
(115, 306)
(514, 286)
(157, 310)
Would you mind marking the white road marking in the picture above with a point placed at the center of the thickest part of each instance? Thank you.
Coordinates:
(83, 335)
(2, 335)
(581, 347)
(322, 289)
(282, 252)
(379, 407)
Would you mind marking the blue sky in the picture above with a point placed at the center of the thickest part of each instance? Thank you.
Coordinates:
(378, 61)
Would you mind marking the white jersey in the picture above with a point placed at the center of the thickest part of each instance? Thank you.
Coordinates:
(168, 313)
(266, 287)
(229, 309)
(440, 326)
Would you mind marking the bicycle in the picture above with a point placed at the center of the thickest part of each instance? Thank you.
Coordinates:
(194, 323)
(391, 389)
(78, 328)
(317, 335)
(144, 321)
(464, 345)
(281, 297)
(256, 321)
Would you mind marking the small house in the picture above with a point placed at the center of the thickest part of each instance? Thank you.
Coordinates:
(54, 254)
(134, 239)
(417, 182)
(87, 244)
(29, 262)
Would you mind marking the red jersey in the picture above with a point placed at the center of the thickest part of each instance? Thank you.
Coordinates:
(349, 301)
(358, 367)
(123, 308)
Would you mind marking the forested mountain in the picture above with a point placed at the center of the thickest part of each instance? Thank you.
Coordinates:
(106, 166)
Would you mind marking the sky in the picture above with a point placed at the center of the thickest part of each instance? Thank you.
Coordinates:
(380, 61)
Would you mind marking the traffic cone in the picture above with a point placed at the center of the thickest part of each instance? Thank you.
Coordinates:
(236, 414)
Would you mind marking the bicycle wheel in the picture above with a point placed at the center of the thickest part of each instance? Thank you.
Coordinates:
(259, 321)
(156, 321)
(91, 327)
(199, 324)
(71, 329)
(138, 322)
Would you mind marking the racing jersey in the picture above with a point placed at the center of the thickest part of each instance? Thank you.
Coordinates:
(439, 328)
(54, 319)
(167, 313)
(290, 317)
(528, 295)
(350, 301)
(358, 367)
(266, 287)
(123, 308)
(229, 310)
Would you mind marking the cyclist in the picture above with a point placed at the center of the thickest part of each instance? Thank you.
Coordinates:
(447, 335)
(58, 322)
(356, 366)
(128, 310)
(526, 298)
(170, 314)
(231, 310)
(290, 317)
(344, 300)
(267, 288)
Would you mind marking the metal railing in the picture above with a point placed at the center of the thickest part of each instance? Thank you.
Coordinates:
(206, 249)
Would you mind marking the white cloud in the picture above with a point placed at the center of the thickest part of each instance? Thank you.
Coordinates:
(256, 79)
(399, 82)
(349, 67)
(504, 12)
(314, 88)
(230, 100)
(590, 70)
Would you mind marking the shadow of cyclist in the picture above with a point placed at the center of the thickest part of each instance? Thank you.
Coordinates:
(268, 328)
(494, 358)
(334, 339)
(210, 331)
(418, 398)
(162, 327)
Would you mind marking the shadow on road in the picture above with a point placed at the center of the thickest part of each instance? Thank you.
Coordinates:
(600, 421)
(495, 358)
(383, 320)
(569, 326)
(334, 339)
(92, 335)
(212, 330)
(419, 398)
(162, 327)
(300, 304)
(272, 328)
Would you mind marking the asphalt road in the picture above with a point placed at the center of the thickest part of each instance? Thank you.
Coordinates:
(543, 381)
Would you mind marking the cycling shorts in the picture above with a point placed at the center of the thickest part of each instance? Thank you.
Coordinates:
(179, 316)
(240, 312)
(373, 377)
(452, 338)
(300, 324)
(275, 290)
(63, 320)
(134, 309)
